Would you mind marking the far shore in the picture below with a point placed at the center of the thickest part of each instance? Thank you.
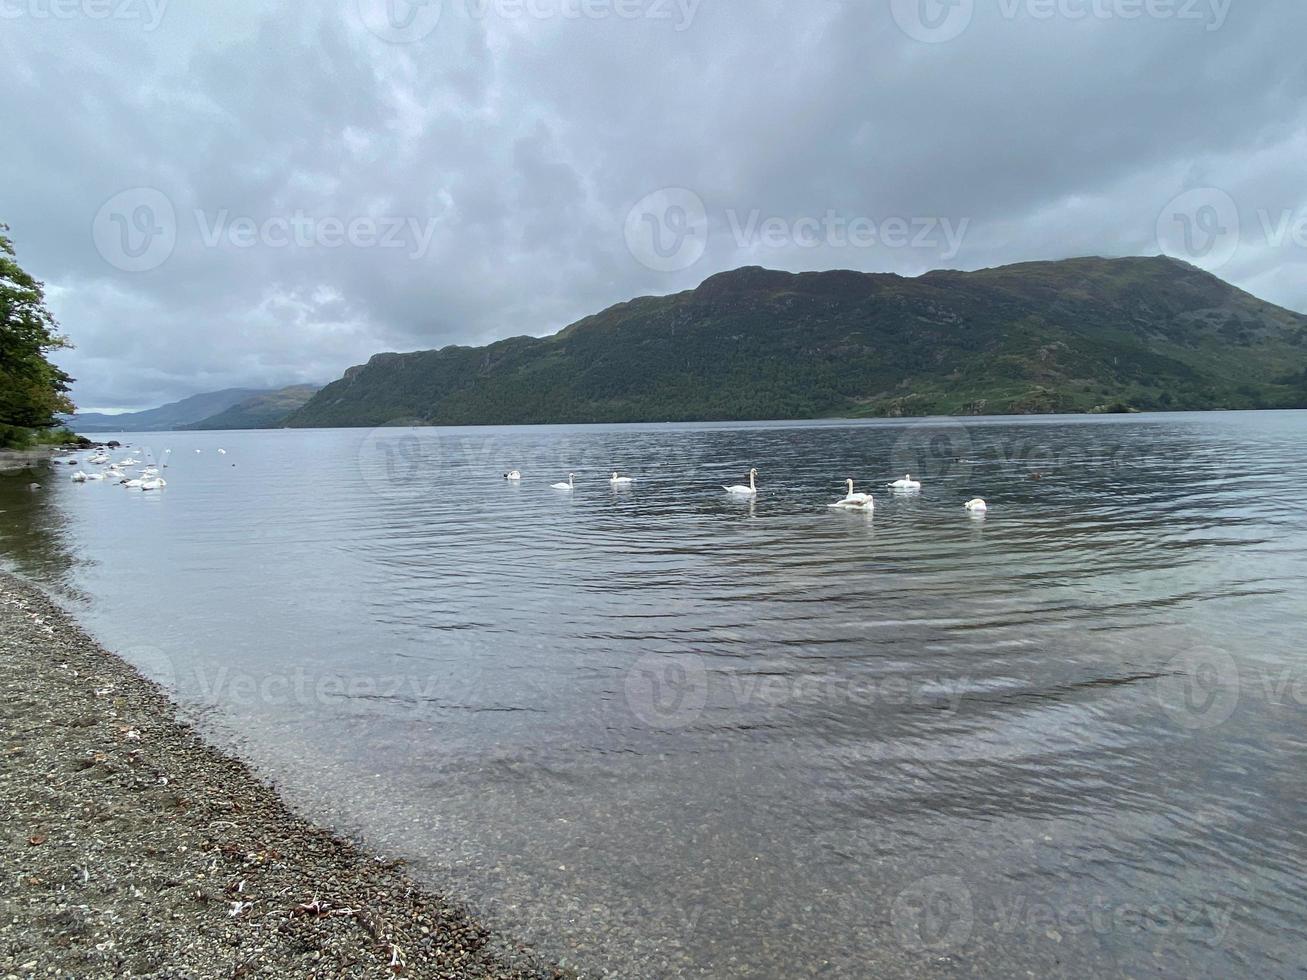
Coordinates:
(1014, 417)
(131, 847)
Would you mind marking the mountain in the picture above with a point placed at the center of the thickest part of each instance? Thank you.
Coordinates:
(174, 415)
(1078, 335)
(262, 411)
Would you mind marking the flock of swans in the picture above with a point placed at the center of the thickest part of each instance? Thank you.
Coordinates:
(121, 471)
(850, 501)
(150, 479)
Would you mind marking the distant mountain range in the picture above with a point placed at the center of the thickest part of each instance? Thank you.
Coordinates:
(231, 408)
(266, 410)
(1080, 335)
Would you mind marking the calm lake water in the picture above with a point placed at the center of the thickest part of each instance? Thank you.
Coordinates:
(661, 732)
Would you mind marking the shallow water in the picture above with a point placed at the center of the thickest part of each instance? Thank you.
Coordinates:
(663, 732)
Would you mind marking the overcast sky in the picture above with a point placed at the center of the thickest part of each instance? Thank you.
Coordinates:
(259, 193)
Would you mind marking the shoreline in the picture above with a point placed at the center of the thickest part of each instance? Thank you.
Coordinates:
(13, 460)
(131, 846)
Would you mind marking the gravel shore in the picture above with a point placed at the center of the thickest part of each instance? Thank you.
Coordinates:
(131, 848)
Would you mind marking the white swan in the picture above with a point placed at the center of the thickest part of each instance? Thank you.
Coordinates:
(855, 501)
(133, 484)
(152, 484)
(513, 475)
(976, 505)
(78, 477)
(750, 491)
(569, 485)
(907, 483)
(222, 452)
(854, 498)
(95, 476)
(620, 481)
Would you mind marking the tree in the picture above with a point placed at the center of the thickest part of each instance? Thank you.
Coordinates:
(32, 390)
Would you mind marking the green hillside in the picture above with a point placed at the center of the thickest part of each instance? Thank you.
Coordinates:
(265, 410)
(1078, 335)
(174, 415)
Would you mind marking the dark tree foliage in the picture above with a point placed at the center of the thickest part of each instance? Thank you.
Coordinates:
(32, 390)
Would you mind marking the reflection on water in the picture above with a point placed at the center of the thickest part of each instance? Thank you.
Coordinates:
(33, 527)
(662, 731)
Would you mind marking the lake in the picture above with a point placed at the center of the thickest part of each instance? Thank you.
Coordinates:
(662, 732)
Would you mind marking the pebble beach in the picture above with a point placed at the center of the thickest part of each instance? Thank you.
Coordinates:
(130, 847)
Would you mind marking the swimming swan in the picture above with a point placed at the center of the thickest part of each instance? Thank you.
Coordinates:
(513, 475)
(750, 491)
(569, 485)
(976, 505)
(855, 498)
(621, 481)
(907, 483)
(78, 477)
(855, 501)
